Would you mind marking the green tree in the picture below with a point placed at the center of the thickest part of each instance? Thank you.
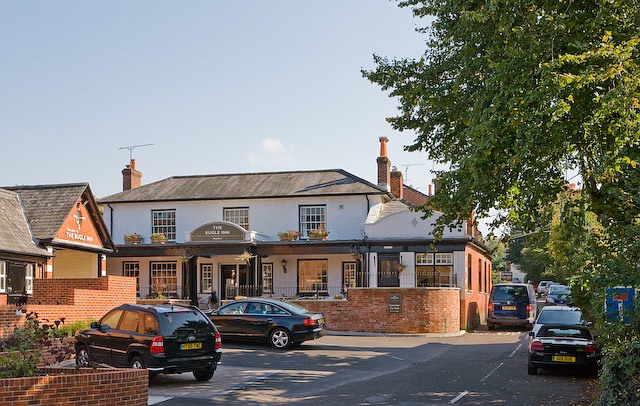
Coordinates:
(512, 94)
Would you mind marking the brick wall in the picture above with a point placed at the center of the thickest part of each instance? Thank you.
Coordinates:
(423, 310)
(74, 299)
(86, 386)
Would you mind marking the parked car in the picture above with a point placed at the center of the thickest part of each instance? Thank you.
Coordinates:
(559, 315)
(563, 346)
(281, 324)
(512, 304)
(558, 294)
(163, 338)
(543, 286)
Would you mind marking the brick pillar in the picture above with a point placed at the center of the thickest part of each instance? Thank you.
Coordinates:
(384, 165)
(131, 178)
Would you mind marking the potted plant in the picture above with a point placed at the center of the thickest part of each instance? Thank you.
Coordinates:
(289, 235)
(158, 238)
(319, 234)
(134, 238)
(246, 257)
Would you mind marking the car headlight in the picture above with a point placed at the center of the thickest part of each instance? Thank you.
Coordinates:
(549, 300)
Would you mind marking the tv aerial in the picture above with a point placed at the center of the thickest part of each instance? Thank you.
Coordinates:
(132, 147)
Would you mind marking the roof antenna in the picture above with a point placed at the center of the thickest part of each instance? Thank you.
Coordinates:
(132, 147)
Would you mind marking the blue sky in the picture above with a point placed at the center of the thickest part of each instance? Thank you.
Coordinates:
(216, 86)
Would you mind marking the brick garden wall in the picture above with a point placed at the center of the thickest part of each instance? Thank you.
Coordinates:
(85, 386)
(423, 310)
(73, 299)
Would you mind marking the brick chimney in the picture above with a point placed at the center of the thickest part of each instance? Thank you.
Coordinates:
(384, 165)
(131, 178)
(397, 183)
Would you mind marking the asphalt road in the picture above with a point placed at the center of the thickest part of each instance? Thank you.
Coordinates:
(475, 368)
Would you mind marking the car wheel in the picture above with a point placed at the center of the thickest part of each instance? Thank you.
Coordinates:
(137, 363)
(491, 326)
(280, 338)
(205, 375)
(82, 357)
(532, 369)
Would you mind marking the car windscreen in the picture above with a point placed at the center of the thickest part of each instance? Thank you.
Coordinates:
(559, 290)
(180, 320)
(560, 316)
(503, 293)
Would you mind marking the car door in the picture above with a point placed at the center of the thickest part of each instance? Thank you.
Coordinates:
(257, 319)
(228, 319)
(123, 337)
(100, 338)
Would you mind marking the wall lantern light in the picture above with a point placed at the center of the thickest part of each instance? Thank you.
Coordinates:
(284, 265)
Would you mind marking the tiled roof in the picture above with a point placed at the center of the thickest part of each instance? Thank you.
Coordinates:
(249, 186)
(47, 206)
(14, 230)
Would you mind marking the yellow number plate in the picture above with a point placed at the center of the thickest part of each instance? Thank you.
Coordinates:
(508, 308)
(191, 346)
(564, 358)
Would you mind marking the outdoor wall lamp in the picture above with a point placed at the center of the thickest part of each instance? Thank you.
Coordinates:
(284, 265)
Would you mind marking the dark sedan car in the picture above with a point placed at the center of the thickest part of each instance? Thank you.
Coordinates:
(558, 294)
(162, 338)
(282, 324)
(562, 346)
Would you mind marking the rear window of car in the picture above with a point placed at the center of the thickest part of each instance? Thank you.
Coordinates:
(564, 331)
(190, 319)
(560, 316)
(559, 290)
(501, 293)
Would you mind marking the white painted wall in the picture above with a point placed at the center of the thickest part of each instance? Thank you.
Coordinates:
(405, 224)
(345, 215)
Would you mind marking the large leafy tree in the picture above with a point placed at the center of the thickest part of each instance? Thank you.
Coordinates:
(512, 94)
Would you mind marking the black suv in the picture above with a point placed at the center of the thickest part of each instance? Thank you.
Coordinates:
(163, 338)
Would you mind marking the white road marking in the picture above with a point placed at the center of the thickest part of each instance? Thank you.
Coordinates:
(157, 399)
(391, 356)
(514, 351)
(460, 396)
(492, 371)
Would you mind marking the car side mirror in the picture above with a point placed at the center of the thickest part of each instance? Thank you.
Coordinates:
(530, 333)
(589, 324)
(94, 324)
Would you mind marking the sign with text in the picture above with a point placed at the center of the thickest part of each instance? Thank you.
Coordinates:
(219, 231)
(395, 303)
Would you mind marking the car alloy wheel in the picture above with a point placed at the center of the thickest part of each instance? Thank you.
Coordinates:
(280, 338)
(82, 357)
(137, 363)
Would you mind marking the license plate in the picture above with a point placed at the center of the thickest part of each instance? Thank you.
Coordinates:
(563, 358)
(508, 308)
(191, 346)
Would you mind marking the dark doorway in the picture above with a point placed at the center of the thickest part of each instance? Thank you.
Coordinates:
(16, 283)
(388, 274)
(228, 281)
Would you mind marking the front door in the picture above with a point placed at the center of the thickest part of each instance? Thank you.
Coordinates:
(228, 281)
(388, 274)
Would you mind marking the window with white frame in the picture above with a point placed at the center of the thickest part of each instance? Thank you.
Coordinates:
(206, 275)
(312, 218)
(312, 275)
(267, 278)
(164, 278)
(164, 221)
(237, 215)
(444, 258)
(132, 270)
(349, 274)
(425, 258)
(3, 276)
(28, 279)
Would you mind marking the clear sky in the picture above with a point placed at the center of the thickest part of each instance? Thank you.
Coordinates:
(215, 86)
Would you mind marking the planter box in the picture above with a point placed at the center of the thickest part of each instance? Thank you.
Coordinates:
(84, 386)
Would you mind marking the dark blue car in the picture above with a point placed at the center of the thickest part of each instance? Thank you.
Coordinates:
(512, 304)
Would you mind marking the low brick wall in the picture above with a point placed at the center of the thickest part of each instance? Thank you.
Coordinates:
(422, 310)
(73, 299)
(85, 386)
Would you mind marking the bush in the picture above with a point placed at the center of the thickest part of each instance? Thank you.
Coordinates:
(70, 329)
